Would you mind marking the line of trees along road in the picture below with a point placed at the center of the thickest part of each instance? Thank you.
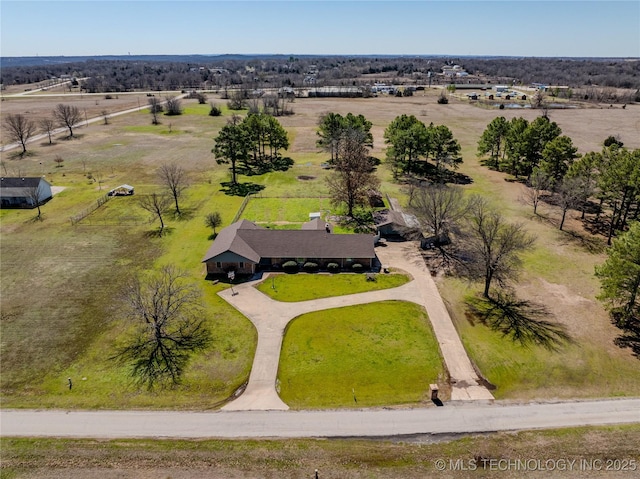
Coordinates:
(19, 128)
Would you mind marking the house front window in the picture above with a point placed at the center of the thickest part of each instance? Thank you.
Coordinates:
(218, 264)
(241, 264)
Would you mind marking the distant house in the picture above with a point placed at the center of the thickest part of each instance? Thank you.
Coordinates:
(247, 248)
(390, 223)
(23, 192)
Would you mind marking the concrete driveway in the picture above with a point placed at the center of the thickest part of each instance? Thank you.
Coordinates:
(271, 317)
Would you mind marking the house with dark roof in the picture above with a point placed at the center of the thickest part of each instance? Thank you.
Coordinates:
(247, 248)
(23, 192)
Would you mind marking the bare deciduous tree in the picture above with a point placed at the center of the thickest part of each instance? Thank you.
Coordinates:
(157, 205)
(494, 245)
(67, 116)
(47, 125)
(175, 179)
(438, 207)
(167, 312)
(19, 129)
(538, 184)
(174, 106)
(34, 195)
(354, 175)
(569, 196)
(155, 107)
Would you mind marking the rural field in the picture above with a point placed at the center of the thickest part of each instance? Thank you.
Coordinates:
(577, 452)
(61, 284)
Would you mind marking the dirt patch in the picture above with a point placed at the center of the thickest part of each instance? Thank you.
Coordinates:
(306, 178)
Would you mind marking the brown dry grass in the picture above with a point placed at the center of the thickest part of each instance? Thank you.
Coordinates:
(133, 459)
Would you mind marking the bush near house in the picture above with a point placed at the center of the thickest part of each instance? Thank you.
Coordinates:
(333, 268)
(310, 267)
(290, 267)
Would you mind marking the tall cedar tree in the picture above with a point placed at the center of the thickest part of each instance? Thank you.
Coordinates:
(232, 146)
(620, 278)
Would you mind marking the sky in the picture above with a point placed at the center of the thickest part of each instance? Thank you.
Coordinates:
(586, 28)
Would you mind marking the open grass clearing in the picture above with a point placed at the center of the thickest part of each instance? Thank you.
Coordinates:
(582, 369)
(368, 355)
(273, 210)
(303, 287)
(292, 459)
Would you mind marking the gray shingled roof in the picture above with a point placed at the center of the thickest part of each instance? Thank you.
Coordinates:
(17, 187)
(26, 182)
(316, 224)
(228, 240)
(253, 242)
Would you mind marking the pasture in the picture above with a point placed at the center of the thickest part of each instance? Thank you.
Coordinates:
(61, 284)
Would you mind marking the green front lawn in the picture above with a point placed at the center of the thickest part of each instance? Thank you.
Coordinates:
(303, 287)
(368, 355)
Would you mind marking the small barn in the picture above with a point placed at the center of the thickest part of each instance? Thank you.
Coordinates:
(122, 190)
(26, 192)
(390, 224)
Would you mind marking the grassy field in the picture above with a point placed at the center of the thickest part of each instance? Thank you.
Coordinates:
(335, 458)
(284, 210)
(358, 356)
(60, 284)
(303, 287)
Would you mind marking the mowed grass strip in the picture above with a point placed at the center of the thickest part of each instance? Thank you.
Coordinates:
(303, 287)
(368, 355)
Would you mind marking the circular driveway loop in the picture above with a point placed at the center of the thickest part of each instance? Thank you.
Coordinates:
(271, 317)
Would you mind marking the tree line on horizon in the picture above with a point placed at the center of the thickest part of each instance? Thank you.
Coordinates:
(118, 75)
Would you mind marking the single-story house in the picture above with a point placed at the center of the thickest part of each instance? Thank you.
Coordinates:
(391, 223)
(246, 248)
(23, 192)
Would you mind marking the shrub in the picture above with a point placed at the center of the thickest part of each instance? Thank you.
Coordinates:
(310, 267)
(357, 268)
(290, 267)
(214, 111)
(612, 140)
(333, 267)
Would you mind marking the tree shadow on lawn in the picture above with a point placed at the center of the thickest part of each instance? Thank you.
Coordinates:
(240, 189)
(275, 164)
(434, 174)
(186, 214)
(157, 233)
(522, 321)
